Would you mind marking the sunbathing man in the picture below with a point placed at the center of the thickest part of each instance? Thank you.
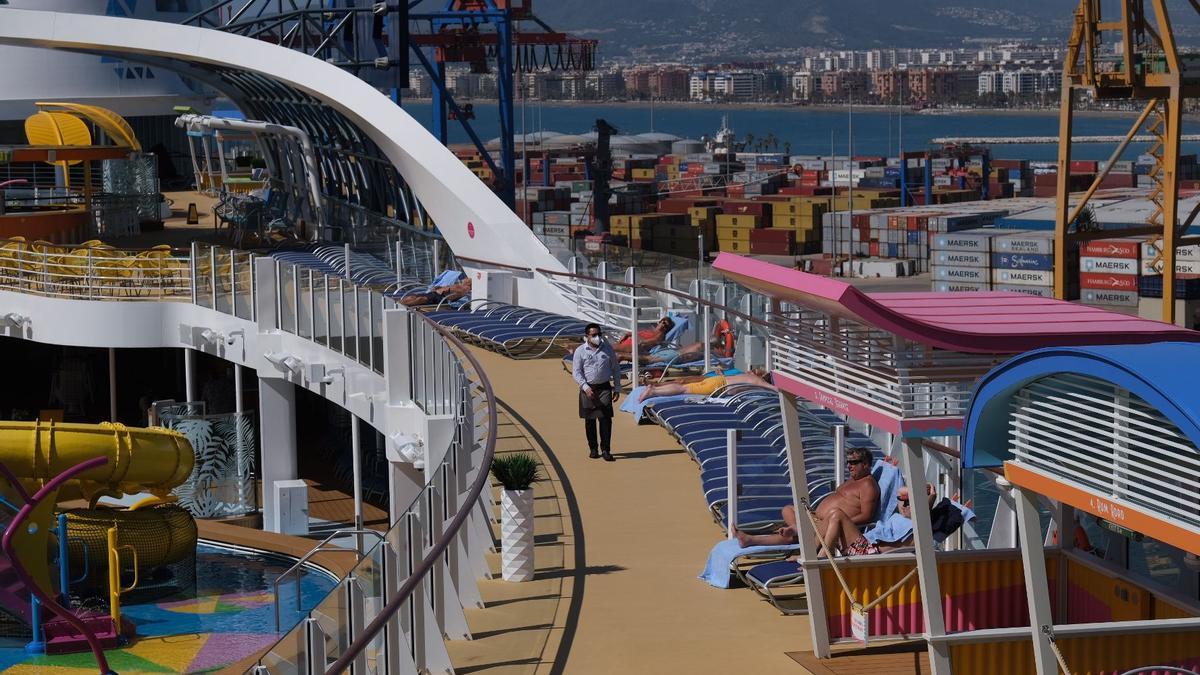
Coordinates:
(685, 354)
(839, 516)
(438, 294)
(647, 338)
(705, 385)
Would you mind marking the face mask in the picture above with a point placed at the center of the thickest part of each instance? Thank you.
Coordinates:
(594, 340)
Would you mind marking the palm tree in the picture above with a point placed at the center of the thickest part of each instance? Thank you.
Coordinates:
(787, 147)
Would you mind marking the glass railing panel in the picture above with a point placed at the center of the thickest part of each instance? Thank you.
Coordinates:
(288, 287)
(304, 303)
(368, 576)
(337, 314)
(222, 280)
(377, 307)
(333, 617)
(350, 319)
(243, 285)
(287, 657)
(363, 324)
(204, 276)
(320, 304)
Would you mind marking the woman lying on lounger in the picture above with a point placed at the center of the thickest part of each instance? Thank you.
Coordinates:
(438, 294)
(706, 385)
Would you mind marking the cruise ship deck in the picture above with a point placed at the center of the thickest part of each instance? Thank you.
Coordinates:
(350, 374)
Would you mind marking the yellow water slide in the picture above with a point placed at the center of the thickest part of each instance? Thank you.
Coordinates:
(150, 460)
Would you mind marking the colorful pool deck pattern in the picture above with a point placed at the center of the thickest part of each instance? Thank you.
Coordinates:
(190, 635)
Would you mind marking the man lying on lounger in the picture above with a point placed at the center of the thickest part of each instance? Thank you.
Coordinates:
(685, 354)
(647, 338)
(438, 294)
(839, 516)
(706, 385)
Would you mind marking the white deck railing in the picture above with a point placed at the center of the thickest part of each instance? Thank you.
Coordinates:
(93, 271)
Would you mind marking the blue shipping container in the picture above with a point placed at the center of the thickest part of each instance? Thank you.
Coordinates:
(1022, 261)
(914, 237)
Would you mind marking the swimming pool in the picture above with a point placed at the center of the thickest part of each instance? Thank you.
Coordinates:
(230, 616)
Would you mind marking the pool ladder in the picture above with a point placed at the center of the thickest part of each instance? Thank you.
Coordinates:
(325, 545)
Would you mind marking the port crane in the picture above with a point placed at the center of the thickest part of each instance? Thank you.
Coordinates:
(375, 40)
(1146, 65)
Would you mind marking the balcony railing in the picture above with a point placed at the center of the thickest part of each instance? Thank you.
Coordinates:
(93, 271)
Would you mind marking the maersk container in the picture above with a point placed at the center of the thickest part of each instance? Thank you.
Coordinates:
(1023, 277)
(1110, 298)
(960, 258)
(1109, 265)
(1038, 291)
(976, 275)
(959, 287)
(1024, 242)
(962, 241)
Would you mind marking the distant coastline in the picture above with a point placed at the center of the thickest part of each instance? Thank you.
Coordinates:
(786, 107)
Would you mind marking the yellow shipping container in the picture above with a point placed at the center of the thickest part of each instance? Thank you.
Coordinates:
(786, 222)
(731, 220)
(643, 174)
(734, 246)
(741, 234)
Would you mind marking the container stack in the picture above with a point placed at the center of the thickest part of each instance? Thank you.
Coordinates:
(961, 261)
(1110, 271)
(1023, 262)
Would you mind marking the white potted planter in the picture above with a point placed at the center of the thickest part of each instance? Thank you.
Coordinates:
(517, 473)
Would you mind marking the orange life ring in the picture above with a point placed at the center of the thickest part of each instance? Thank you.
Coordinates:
(723, 334)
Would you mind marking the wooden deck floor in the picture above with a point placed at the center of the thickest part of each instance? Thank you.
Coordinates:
(639, 534)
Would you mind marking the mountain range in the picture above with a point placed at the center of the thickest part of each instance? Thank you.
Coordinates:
(697, 30)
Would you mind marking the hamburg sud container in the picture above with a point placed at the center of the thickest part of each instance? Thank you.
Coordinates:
(1109, 271)
(959, 261)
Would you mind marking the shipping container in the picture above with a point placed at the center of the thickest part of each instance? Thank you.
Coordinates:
(1110, 298)
(1109, 265)
(1023, 277)
(977, 275)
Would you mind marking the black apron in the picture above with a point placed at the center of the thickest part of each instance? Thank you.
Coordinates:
(598, 408)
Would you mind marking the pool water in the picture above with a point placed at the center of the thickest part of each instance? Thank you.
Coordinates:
(229, 617)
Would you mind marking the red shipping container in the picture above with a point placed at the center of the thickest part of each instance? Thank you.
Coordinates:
(1085, 166)
(1119, 180)
(873, 249)
(674, 205)
(738, 191)
(772, 242)
(1112, 248)
(745, 206)
(1108, 282)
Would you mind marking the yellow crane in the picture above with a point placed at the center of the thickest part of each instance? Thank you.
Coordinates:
(1144, 65)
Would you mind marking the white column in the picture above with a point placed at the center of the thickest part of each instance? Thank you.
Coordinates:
(277, 425)
(798, 475)
(112, 385)
(931, 589)
(356, 463)
(1033, 558)
(731, 485)
(189, 374)
(239, 402)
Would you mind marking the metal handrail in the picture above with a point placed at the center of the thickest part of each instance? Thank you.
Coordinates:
(299, 566)
(371, 631)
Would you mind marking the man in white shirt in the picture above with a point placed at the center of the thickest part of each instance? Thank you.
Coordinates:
(598, 374)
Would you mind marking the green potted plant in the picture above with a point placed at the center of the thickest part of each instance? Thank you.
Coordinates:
(516, 473)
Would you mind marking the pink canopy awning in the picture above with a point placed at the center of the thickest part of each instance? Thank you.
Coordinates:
(982, 323)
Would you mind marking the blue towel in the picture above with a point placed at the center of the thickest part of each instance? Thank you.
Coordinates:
(894, 529)
(716, 570)
(447, 278)
(890, 481)
(633, 407)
